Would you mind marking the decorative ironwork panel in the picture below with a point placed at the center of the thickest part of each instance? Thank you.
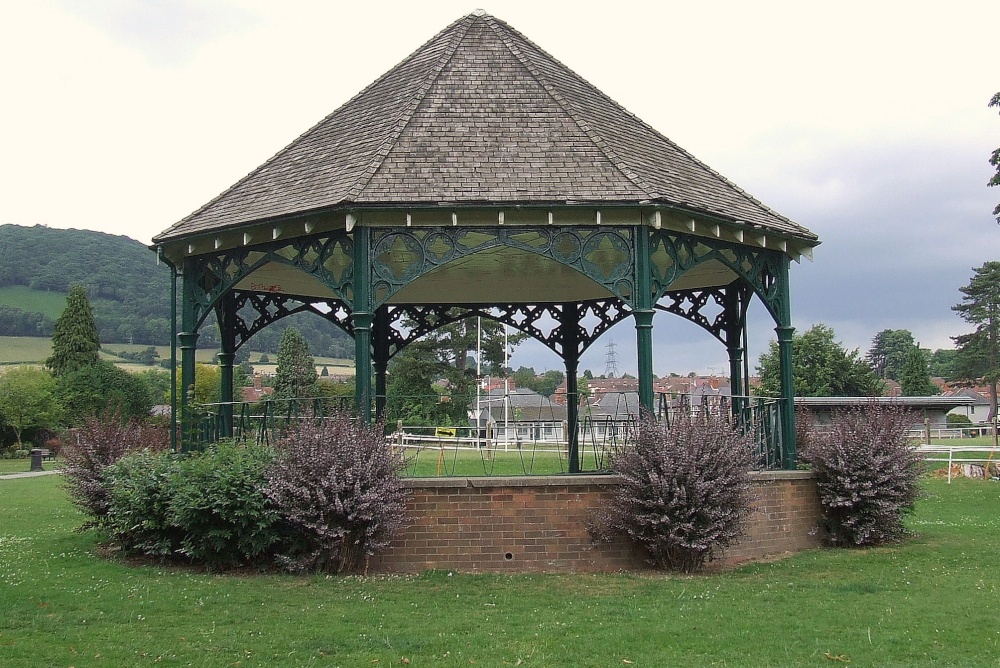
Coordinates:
(410, 322)
(604, 255)
(673, 253)
(328, 258)
(716, 310)
(271, 307)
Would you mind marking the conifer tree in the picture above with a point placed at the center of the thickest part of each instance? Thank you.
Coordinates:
(296, 374)
(914, 378)
(75, 343)
(979, 352)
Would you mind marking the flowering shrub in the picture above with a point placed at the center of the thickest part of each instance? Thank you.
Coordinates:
(336, 483)
(138, 515)
(867, 473)
(103, 440)
(217, 501)
(685, 492)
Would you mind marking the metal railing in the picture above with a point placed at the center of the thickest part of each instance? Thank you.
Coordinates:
(527, 438)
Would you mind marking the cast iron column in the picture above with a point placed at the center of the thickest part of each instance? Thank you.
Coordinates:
(362, 319)
(380, 350)
(571, 359)
(784, 331)
(735, 346)
(188, 339)
(644, 318)
(226, 314)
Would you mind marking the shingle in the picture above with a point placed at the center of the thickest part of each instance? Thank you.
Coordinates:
(478, 114)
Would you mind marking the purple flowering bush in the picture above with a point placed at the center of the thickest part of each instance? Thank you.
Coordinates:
(102, 441)
(868, 475)
(686, 491)
(336, 484)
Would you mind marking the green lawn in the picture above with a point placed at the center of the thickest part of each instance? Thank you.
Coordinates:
(24, 465)
(931, 601)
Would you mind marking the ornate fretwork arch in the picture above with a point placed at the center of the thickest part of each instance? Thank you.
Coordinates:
(328, 258)
(402, 255)
(269, 308)
(596, 317)
(672, 254)
(719, 311)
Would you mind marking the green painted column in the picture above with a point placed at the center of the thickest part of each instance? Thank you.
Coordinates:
(784, 331)
(643, 315)
(226, 315)
(380, 355)
(188, 345)
(362, 319)
(736, 348)
(188, 342)
(571, 359)
(225, 361)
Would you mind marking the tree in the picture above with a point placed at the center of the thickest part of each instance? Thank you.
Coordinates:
(821, 367)
(979, 352)
(296, 376)
(75, 343)
(27, 401)
(943, 363)
(889, 352)
(97, 389)
(914, 379)
(456, 341)
(411, 394)
(995, 160)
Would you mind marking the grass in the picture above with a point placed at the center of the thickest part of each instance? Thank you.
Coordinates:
(434, 462)
(24, 465)
(50, 304)
(931, 601)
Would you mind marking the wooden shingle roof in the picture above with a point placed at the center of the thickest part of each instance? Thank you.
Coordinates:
(479, 115)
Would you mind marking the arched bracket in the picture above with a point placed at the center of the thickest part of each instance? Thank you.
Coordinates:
(328, 258)
(402, 255)
(543, 322)
(271, 307)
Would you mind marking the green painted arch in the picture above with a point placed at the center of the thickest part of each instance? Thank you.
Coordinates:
(673, 254)
(401, 256)
(327, 258)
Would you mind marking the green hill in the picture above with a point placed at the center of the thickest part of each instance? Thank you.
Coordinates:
(129, 291)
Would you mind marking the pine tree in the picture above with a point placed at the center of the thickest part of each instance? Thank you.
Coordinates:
(296, 375)
(979, 352)
(75, 343)
(914, 379)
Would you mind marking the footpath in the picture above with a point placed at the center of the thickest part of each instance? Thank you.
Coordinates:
(27, 474)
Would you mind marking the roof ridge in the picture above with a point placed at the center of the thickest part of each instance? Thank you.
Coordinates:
(549, 88)
(407, 115)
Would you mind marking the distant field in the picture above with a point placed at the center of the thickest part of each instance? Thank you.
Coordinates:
(49, 303)
(35, 350)
(24, 349)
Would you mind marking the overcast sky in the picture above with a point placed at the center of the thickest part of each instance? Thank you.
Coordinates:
(864, 121)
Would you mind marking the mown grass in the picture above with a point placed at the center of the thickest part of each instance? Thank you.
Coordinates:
(24, 465)
(931, 601)
(434, 461)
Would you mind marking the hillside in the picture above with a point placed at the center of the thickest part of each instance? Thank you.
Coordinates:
(129, 292)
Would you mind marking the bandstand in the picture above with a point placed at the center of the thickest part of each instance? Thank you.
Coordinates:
(481, 177)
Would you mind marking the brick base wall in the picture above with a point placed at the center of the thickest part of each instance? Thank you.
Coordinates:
(534, 524)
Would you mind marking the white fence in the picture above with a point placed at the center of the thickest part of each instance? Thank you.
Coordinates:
(946, 454)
